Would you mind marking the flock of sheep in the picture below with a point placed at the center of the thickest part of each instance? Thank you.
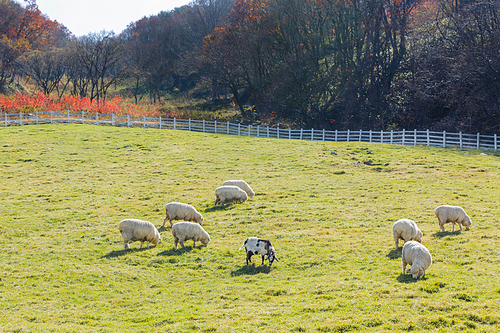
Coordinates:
(413, 253)
(190, 228)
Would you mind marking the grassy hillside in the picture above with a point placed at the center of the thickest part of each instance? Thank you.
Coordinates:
(327, 208)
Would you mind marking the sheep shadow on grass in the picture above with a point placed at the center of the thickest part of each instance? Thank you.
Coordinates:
(407, 278)
(395, 254)
(442, 234)
(174, 252)
(119, 253)
(224, 207)
(251, 270)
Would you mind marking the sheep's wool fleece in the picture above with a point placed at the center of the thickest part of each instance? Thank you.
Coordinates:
(407, 230)
(457, 214)
(182, 211)
(139, 230)
(188, 230)
(241, 184)
(416, 255)
(230, 193)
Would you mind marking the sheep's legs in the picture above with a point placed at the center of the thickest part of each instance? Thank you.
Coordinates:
(404, 267)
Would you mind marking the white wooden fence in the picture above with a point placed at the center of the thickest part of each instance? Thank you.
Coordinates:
(414, 137)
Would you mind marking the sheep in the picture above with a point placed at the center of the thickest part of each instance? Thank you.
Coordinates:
(181, 211)
(229, 193)
(241, 184)
(254, 245)
(416, 255)
(183, 231)
(453, 214)
(406, 230)
(137, 230)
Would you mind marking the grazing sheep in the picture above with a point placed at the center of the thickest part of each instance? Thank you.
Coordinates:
(406, 230)
(137, 230)
(181, 211)
(453, 214)
(254, 245)
(229, 193)
(241, 184)
(416, 255)
(183, 231)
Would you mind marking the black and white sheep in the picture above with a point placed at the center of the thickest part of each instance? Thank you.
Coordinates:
(254, 245)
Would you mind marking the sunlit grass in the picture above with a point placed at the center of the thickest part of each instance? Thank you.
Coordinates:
(326, 210)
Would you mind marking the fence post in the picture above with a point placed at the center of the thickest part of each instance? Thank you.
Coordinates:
(460, 134)
(51, 116)
(68, 116)
(289, 133)
(160, 122)
(215, 126)
(239, 129)
(415, 137)
(278, 132)
(83, 117)
(428, 139)
(36, 113)
(323, 134)
(144, 122)
(301, 134)
(113, 119)
(336, 135)
(228, 127)
(203, 125)
(348, 134)
(267, 130)
(21, 119)
(370, 136)
(403, 139)
(249, 129)
(174, 123)
(189, 124)
(392, 136)
(312, 134)
(478, 141)
(96, 118)
(258, 127)
(5, 119)
(360, 134)
(444, 139)
(128, 120)
(381, 136)
(495, 141)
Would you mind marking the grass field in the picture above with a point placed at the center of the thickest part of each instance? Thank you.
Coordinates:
(327, 208)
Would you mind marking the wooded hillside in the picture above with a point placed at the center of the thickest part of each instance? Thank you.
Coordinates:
(347, 64)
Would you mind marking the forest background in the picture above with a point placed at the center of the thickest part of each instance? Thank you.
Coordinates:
(324, 64)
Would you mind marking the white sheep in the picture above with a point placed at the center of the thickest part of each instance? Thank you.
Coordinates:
(453, 214)
(137, 230)
(254, 245)
(406, 230)
(227, 193)
(183, 231)
(181, 211)
(416, 255)
(241, 184)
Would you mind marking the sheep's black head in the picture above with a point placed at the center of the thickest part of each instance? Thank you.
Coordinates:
(271, 256)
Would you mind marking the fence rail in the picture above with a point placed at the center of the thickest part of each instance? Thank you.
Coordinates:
(404, 137)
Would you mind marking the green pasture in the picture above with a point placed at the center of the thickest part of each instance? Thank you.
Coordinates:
(328, 209)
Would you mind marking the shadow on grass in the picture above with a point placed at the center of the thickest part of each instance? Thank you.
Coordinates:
(174, 252)
(119, 253)
(251, 270)
(407, 278)
(395, 254)
(224, 207)
(441, 234)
